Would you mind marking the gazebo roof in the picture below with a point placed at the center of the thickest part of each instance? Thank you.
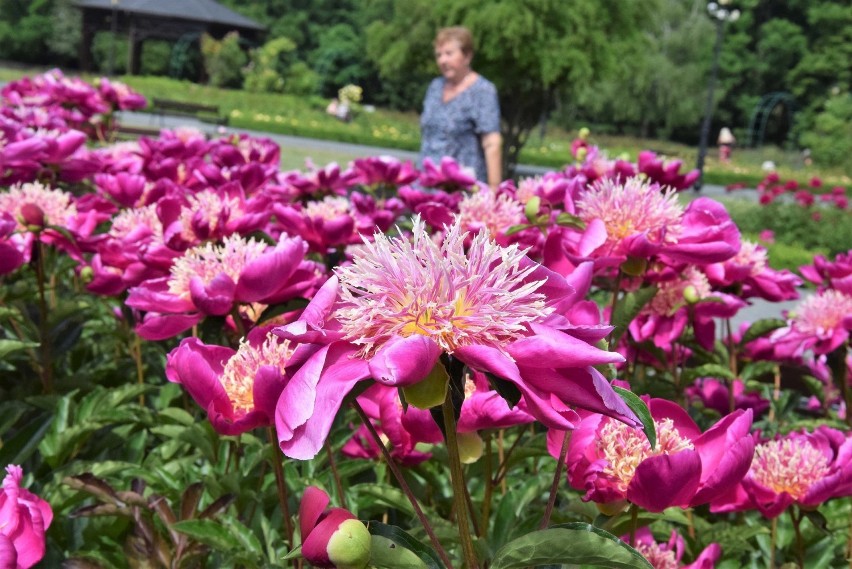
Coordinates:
(206, 11)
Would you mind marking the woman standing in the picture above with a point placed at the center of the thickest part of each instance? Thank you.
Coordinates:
(461, 114)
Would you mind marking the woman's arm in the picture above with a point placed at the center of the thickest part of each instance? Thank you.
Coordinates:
(492, 145)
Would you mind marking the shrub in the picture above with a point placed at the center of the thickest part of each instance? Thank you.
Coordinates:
(156, 55)
(103, 46)
(269, 65)
(223, 60)
(830, 140)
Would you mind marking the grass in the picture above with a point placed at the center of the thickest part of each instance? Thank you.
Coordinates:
(306, 116)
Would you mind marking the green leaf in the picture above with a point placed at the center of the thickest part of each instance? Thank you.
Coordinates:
(385, 537)
(574, 543)
(638, 406)
(628, 308)
(567, 220)
(708, 370)
(517, 228)
(208, 532)
(761, 328)
(387, 554)
(756, 370)
(9, 346)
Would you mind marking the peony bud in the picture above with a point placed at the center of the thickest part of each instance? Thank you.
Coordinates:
(690, 294)
(332, 538)
(430, 391)
(32, 216)
(583, 133)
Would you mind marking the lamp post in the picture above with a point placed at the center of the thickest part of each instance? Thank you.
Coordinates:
(720, 15)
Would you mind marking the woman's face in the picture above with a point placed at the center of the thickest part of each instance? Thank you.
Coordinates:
(452, 61)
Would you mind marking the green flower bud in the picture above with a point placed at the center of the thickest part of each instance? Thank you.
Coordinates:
(349, 546)
(431, 391)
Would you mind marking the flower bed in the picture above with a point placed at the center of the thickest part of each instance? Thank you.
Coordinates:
(202, 353)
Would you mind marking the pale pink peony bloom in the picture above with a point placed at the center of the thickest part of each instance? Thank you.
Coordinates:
(668, 555)
(798, 468)
(821, 323)
(402, 305)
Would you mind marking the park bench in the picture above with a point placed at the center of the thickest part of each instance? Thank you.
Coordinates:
(207, 113)
(123, 131)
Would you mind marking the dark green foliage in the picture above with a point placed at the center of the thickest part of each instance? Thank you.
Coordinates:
(103, 46)
(155, 57)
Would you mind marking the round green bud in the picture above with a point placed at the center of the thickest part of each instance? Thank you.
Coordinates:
(349, 546)
(690, 294)
(634, 266)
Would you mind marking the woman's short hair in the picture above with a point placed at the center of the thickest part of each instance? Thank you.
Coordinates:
(458, 33)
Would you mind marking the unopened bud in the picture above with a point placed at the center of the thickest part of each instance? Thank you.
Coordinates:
(87, 274)
(349, 546)
(470, 447)
(429, 392)
(583, 133)
(690, 294)
(32, 216)
(634, 266)
(581, 153)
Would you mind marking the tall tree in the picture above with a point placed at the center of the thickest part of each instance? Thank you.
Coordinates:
(530, 49)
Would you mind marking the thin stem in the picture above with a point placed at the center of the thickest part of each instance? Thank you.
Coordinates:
(275, 457)
(457, 480)
(336, 475)
(554, 487)
(501, 456)
(44, 333)
(489, 487)
(773, 539)
(634, 521)
(136, 351)
(504, 460)
(800, 543)
(732, 364)
(439, 549)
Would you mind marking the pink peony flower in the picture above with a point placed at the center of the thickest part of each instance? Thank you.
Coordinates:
(614, 462)
(447, 176)
(24, 517)
(749, 272)
(213, 279)
(799, 468)
(237, 388)
(714, 394)
(820, 323)
(668, 555)
(403, 305)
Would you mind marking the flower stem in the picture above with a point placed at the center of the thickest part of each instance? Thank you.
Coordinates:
(554, 487)
(44, 333)
(634, 521)
(796, 516)
(336, 475)
(457, 480)
(489, 487)
(275, 457)
(773, 538)
(439, 549)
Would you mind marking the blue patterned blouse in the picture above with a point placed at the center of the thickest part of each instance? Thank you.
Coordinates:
(455, 128)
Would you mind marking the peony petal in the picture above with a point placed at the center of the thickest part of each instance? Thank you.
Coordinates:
(216, 297)
(314, 501)
(404, 361)
(263, 276)
(550, 348)
(665, 480)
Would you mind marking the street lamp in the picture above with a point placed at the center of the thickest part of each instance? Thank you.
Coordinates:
(720, 15)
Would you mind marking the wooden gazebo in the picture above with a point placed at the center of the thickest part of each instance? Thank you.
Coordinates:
(171, 20)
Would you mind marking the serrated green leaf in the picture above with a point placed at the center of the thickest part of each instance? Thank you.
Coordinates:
(421, 555)
(638, 406)
(761, 328)
(628, 308)
(575, 543)
(208, 532)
